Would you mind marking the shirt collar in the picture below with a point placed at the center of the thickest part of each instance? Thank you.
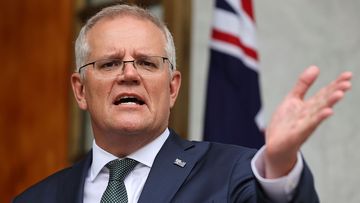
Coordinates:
(145, 155)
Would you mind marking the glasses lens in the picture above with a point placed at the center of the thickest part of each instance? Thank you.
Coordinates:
(108, 65)
(144, 66)
(148, 65)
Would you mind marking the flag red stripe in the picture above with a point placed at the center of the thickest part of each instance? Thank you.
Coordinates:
(225, 37)
(248, 8)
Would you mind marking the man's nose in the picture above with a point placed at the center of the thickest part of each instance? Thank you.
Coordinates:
(129, 73)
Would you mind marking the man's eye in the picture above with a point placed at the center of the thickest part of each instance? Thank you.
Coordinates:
(147, 64)
(109, 65)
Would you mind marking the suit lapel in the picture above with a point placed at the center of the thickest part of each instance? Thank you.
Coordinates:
(164, 180)
(171, 167)
(72, 187)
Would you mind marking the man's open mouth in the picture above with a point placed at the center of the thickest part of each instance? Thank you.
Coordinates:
(128, 100)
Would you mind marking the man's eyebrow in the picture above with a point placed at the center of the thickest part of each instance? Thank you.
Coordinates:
(121, 54)
(117, 54)
(143, 54)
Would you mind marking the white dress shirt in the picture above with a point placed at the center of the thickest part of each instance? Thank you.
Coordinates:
(280, 189)
(98, 175)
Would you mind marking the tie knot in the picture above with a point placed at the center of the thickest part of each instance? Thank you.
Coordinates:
(119, 169)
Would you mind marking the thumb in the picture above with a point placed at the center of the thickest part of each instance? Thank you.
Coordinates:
(306, 79)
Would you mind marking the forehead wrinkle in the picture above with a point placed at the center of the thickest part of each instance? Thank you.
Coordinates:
(113, 54)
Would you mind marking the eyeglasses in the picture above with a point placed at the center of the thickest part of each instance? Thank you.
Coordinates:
(146, 65)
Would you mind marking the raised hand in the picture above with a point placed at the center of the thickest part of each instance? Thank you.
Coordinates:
(296, 118)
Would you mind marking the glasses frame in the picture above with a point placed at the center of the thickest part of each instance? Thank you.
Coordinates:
(124, 62)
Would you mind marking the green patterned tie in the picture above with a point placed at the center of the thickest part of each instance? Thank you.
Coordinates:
(115, 190)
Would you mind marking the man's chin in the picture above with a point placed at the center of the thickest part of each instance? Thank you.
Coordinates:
(132, 128)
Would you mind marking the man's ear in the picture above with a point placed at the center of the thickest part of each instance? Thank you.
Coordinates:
(175, 84)
(79, 90)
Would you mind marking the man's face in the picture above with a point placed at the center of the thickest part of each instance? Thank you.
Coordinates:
(126, 37)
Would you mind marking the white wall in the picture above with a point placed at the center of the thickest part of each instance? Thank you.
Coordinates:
(293, 34)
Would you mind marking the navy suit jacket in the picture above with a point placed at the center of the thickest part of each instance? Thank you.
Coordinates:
(212, 173)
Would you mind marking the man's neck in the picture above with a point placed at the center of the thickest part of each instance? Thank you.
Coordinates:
(122, 145)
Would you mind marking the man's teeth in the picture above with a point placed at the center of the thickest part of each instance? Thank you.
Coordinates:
(128, 100)
(129, 103)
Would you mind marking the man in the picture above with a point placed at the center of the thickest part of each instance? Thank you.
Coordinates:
(128, 82)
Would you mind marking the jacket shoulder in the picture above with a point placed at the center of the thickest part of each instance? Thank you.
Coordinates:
(64, 184)
(46, 187)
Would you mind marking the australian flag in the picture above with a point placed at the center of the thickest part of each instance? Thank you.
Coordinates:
(233, 112)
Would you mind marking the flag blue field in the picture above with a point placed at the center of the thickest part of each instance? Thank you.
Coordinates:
(233, 111)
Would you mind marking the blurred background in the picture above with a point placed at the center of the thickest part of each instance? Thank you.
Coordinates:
(42, 130)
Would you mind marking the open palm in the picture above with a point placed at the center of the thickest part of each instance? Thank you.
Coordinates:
(296, 118)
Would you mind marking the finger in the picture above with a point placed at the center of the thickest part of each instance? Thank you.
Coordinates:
(345, 76)
(323, 101)
(316, 119)
(322, 115)
(344, 81)
(344, 86)
(305, 81)
(333, 92)
(335, 98)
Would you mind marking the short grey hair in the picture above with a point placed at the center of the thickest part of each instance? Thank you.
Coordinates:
(82, 48)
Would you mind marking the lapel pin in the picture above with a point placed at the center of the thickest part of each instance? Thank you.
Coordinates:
(180, 163)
